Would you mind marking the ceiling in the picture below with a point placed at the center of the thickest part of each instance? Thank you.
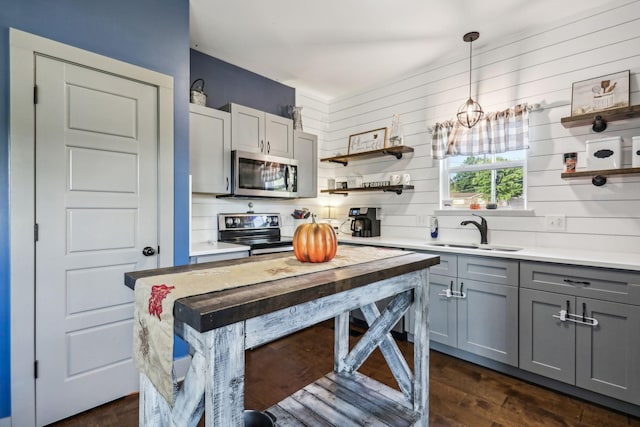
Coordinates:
(337, 47)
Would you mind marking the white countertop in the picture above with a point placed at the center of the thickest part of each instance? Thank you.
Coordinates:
(214, 248)
(592, 258)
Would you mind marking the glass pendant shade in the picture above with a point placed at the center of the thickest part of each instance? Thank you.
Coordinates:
(469, 113)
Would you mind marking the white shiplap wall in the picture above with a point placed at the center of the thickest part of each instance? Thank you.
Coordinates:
(537, 67)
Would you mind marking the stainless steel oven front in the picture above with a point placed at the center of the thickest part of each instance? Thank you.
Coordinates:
(261, 232)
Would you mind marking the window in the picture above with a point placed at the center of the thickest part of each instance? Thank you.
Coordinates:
(473, 181)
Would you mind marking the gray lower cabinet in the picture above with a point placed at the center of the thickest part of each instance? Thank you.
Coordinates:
(547, 345)
(305, 151)
(479, 313)
(488, 320)
(590, 343)
(443, 311)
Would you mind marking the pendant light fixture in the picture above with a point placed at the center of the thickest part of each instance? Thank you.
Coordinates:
(470, 112)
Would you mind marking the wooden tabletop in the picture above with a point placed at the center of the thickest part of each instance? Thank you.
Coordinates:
(213, 310)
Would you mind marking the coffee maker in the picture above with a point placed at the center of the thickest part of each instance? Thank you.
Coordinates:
(365, 222)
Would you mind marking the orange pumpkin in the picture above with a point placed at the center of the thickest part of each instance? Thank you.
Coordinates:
(315, 242)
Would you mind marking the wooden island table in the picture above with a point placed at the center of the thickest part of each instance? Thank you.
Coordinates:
(220, 326)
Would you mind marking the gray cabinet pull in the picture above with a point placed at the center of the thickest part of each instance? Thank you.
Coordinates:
(577, 282)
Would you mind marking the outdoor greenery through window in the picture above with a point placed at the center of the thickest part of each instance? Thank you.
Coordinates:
(473, 181)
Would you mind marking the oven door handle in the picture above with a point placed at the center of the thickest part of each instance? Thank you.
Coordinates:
(271, 250)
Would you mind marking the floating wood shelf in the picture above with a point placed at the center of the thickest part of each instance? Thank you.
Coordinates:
(395, 151)
(387, 188)
(606, 116)
(599, 177)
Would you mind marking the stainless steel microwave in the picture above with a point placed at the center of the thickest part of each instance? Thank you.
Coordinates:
(261, 175)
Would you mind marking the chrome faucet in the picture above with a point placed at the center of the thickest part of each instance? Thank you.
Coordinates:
(482, 227)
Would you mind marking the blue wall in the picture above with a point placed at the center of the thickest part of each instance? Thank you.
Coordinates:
(225, 83)
(150, 33)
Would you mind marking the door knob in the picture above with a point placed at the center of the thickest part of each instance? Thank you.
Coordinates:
(148, 251)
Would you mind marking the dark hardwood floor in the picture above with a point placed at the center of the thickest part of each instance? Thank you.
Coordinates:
(461, 393)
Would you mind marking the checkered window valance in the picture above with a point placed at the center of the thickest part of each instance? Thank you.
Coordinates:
(497, 132)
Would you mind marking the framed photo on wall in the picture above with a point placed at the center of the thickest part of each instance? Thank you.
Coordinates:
(368, 141)
(600, 93)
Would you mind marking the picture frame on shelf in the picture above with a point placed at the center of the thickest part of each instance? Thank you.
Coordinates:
(375, 139)
(600, 93)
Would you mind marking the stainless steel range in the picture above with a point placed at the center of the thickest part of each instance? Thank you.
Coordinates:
(261, 232)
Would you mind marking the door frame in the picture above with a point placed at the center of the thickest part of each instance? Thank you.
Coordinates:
(23, 47)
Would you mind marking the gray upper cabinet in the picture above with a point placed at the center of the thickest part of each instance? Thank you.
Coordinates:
(209, 150)
(260, 132)
(305, 151)
(596, 346)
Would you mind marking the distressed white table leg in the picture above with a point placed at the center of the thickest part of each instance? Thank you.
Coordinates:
(392, 354)
(341, 341)
(224, 385)
(153, 410)
(421, 350)
(189, 401)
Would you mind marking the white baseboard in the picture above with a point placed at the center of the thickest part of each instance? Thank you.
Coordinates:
(5, 422)
(180, 367)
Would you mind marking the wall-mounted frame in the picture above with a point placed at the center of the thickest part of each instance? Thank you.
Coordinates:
(600, 93)
(368, 141)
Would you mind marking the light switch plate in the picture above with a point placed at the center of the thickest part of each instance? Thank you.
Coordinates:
(556, 222)
(422, 220)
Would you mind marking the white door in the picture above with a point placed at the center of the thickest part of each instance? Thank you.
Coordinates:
(96, 209)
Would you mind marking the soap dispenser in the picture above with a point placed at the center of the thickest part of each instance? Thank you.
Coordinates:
(434, 227)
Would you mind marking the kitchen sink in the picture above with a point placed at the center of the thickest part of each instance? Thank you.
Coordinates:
(481, 247)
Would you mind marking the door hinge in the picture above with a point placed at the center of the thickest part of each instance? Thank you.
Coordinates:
(35, 369)
(35, 94)
(35, 232)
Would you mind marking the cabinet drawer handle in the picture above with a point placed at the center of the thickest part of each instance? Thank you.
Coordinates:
(577, 282)
(262, 146)
(227, 184)
(268, 147)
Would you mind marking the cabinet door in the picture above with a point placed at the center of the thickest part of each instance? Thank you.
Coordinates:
(608, 355)
(209, 150)
(278, 136)
(247, 129)
(305, 151)
(547, 344)
(488, 320)
(442, 311)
